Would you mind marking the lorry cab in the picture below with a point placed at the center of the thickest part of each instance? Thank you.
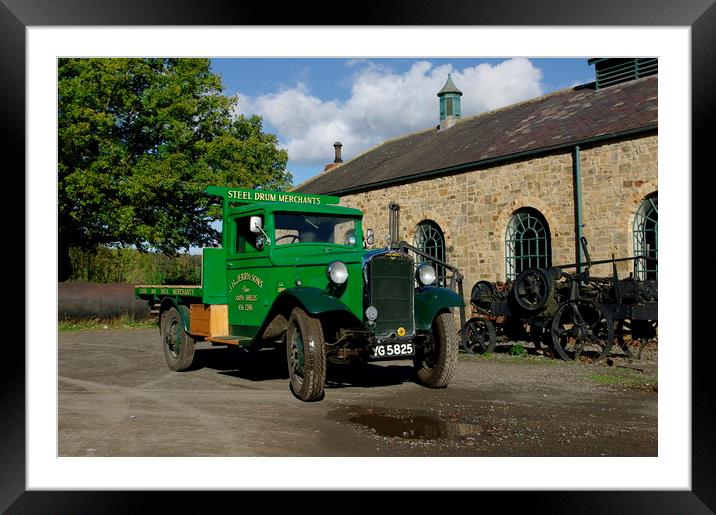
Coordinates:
(271, 249)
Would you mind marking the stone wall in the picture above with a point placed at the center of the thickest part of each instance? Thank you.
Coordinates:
(473, 208)
(615, 180)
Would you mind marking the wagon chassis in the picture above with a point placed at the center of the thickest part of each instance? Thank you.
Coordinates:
(573, 313)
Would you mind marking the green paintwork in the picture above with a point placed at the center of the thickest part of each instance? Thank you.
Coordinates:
(611, 71)
(430, 301)
(578, 208)
(316, 301)
(450, 111)
(213, 284)
(148, 291)
(258, 277)
(183, 309)
(449, 94)
(449, 87)
(255, 278)
(233, 196)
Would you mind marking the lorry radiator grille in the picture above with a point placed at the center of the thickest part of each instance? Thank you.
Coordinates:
(391, 293)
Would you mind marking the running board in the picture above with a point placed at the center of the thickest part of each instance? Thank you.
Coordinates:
(230, 340)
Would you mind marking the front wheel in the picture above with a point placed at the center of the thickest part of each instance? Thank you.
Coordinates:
(435, 362)
(178, 345)
(305, 350)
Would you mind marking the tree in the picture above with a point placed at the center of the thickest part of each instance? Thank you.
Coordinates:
(139, 141)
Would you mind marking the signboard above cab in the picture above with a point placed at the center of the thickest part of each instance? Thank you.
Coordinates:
(236, 196)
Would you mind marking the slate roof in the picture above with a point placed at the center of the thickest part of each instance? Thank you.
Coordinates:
(559, 119)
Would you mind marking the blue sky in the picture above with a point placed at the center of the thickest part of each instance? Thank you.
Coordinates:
(311, 103)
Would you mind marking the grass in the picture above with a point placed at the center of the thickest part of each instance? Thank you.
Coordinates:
(97, 324)
(511, 356)
(626, 378)
(463, 356)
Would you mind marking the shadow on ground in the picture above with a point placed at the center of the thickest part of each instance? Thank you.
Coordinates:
(369, 375)
(270, 364)
(261, 365)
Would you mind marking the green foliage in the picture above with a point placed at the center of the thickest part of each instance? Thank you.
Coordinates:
(517, 350)
(126, 265)
(139, 141)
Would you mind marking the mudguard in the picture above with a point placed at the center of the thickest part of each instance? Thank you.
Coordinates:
(312, 300)
(169, 302)
(432, 300)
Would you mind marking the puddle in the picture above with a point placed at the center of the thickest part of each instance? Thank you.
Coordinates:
(409, 425)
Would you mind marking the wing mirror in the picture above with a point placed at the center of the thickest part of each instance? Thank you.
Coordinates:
(256, 226)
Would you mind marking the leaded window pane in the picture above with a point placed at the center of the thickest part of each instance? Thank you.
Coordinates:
(527, 243)
(429, 239)
(646, 235)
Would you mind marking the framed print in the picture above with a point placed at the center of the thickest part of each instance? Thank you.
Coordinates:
(33, 34)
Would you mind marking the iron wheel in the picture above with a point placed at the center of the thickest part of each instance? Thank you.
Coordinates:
(532, 289)
(479, 336)
(582, 328)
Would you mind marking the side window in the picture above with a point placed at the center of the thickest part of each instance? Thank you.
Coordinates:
(287, 235)
(245, 239)
(344, 233)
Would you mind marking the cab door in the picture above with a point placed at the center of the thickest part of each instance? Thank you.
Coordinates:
(247, 264)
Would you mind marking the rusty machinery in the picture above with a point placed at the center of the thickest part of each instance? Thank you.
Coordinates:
(573, 313)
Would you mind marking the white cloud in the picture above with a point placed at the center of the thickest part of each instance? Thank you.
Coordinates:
(384, 104)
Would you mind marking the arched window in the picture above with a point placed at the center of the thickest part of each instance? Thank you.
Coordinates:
(430, 239)
(646, 231)
(527, 242)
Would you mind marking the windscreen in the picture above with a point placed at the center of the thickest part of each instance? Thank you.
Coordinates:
(292, 228)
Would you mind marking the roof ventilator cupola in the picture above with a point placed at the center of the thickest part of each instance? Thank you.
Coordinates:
(449, 104)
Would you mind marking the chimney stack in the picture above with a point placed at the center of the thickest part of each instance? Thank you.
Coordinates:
(338, 159)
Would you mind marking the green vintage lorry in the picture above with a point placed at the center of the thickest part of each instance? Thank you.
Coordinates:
(295, 270)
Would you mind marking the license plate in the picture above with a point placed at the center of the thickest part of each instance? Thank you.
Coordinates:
(392, 350)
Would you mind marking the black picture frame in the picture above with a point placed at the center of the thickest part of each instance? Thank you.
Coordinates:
(699, 15)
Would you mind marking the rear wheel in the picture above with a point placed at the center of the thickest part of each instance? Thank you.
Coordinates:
(305, 350)
(435, 361)
(178, 345)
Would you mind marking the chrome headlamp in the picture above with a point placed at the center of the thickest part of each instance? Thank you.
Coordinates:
(337, 272)
(425, 274)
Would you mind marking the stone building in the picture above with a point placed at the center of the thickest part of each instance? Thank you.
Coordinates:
(516, 187)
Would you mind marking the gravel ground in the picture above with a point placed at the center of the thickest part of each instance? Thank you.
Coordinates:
(118, 398)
